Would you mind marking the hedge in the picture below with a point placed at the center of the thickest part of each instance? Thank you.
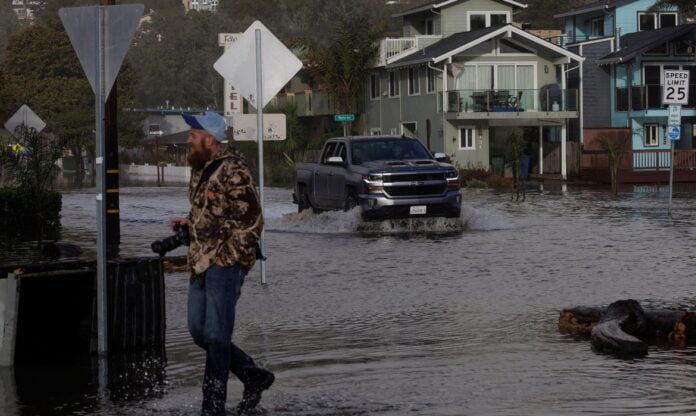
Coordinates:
(19, 216)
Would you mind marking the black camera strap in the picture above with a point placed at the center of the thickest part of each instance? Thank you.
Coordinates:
(207, 173)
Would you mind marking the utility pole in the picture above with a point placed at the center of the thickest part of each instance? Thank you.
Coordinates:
(113, 229)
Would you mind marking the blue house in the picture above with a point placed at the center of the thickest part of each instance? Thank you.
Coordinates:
(627, 44)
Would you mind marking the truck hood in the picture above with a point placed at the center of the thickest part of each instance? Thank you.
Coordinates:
(411, 166)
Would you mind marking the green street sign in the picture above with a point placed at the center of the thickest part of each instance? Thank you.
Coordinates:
(344, 117)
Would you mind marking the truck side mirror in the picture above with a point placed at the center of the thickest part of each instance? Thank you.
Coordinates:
(440, 157)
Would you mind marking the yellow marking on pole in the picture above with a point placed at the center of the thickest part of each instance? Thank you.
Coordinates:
(112, 191)
(112, 171)
(112, 211)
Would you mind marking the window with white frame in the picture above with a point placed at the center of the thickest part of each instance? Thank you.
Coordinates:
(467, 138)
(374, 86)
(652, 21)
(430, 84)
(651, 134)
(481, 20)
(394, 83)
(413, 81)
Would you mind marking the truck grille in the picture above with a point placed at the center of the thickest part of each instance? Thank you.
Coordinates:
(410, 177)
(415, 190)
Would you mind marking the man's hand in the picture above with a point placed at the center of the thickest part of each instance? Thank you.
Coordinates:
(174, 221)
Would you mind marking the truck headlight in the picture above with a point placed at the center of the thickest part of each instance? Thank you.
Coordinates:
(452, 174)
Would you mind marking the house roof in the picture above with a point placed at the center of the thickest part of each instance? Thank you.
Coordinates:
(634, 44)
(597, 5)
(462, 41)
(443, 3)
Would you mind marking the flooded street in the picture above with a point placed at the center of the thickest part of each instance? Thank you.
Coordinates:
(437, 317)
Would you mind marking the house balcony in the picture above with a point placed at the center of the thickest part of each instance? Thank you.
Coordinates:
(648, 99)
(393, 49)
(569, 39)
(511, 104)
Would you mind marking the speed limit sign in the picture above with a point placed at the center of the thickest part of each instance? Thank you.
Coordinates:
(676, 89)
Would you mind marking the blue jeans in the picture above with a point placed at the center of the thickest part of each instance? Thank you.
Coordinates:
(211, 306)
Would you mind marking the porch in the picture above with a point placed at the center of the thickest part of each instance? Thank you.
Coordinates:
(551, 102)
(640, 166)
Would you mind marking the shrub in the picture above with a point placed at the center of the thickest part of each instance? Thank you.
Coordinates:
(19, 217)
(479, 174)
(499, 182)
(475, 183)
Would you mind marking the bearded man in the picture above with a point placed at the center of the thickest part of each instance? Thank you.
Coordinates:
(225, 223)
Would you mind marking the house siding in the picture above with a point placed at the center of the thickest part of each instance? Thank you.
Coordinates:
(597, 89)
(454, 17)
(627, 14)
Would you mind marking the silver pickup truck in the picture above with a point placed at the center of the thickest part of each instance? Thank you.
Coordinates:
(387, 176)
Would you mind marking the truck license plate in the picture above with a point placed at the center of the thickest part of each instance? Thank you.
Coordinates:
(418, 209)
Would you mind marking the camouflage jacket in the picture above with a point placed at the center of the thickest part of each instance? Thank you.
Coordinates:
(225, 219)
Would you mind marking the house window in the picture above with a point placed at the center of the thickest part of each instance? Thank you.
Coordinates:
(597, 27)
(429, 27)
(374, 86)
(413, 81)
(668, 20)
(647, 21)
(467, 138)
(394, 83)
(430, 85)
(498, 19)
(477, 21)
(651, 134)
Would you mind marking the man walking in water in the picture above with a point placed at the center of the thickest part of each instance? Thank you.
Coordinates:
(225, 223)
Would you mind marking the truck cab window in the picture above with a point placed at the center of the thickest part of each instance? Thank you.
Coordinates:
(328, 152)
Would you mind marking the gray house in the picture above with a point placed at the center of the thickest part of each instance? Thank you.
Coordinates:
(463, 77)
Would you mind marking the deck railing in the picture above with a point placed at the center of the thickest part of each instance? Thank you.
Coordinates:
(641, 160)
(511, 100)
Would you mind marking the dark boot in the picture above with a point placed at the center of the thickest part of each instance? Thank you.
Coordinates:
(259, 379)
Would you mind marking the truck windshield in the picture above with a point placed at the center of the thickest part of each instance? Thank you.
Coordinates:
(364, 151)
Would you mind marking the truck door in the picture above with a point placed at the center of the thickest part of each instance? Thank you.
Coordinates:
(321, 177)
(337, 178)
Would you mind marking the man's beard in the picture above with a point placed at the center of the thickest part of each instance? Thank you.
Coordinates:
(198, 159)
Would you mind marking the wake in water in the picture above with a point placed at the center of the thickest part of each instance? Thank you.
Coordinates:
(332, 222)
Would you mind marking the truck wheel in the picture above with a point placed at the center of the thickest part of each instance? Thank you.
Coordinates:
(351, 200)
(304, 202)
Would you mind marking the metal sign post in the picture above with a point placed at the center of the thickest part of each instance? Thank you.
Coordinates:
(256, 86)
(676, 94)
(101, 36)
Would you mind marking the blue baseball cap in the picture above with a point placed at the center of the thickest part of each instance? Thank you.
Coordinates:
(209, 121)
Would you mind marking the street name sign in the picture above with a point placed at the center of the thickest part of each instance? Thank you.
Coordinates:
(676, 87)
(344, 117)
(244, 127)
(24, 116)
(118, 24)
(238, 64)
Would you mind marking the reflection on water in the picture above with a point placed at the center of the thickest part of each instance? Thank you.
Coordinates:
(425, 317)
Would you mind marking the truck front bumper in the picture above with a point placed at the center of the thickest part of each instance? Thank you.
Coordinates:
(379, 206)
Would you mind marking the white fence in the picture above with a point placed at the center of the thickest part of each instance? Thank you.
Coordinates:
(168, 173)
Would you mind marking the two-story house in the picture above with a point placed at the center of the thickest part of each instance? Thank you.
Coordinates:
(462, 77)
(627, 45)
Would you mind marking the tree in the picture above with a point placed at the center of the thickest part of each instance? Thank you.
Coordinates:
(8, 25)
(615, 147)
(43, 71)
(343, 65)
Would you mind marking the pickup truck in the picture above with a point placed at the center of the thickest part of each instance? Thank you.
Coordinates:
(387, 176)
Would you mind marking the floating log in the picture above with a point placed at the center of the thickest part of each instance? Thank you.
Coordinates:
(626, 326)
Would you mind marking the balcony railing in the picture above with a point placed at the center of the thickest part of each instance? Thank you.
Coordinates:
(564, 40)
(393, 47)
(641, 160)
(511, 100)
(647, 97)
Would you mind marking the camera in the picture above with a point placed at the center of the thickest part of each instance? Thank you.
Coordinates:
(181, 237)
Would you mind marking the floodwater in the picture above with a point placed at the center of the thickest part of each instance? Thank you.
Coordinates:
(427, 318)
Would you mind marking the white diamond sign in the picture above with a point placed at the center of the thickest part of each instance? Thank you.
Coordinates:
(238, 64)
(24, 116)
(118, 24)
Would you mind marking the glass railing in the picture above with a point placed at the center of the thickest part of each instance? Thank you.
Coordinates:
(564, 40)
(512, 100)
(647, 97)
